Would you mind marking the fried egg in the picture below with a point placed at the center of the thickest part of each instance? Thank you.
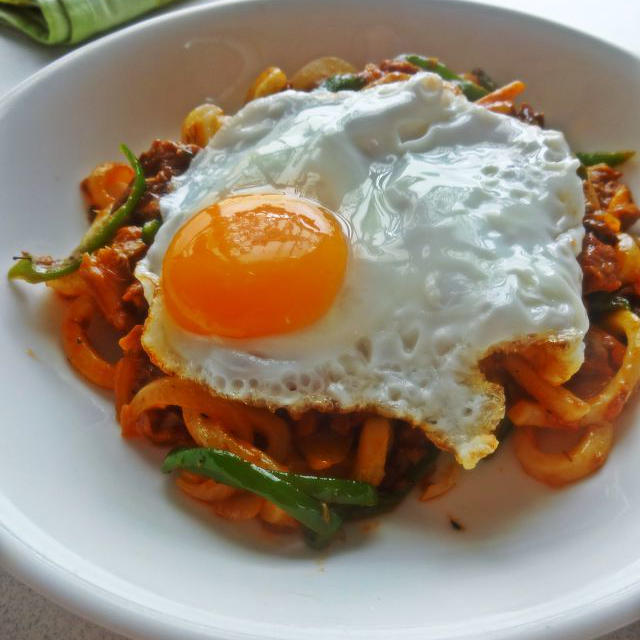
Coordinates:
(365, 251)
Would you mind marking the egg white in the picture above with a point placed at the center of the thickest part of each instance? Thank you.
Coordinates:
(464, 227)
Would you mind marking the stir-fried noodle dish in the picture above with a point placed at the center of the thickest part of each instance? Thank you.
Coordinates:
(358, 284)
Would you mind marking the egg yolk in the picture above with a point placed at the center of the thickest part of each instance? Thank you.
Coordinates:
(254, 265)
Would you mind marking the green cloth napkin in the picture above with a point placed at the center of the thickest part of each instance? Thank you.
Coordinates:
(70, 21)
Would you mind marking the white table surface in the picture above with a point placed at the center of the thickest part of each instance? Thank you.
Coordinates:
(25, 615)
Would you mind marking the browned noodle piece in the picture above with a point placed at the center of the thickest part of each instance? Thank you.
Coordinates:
(559, 468)
(77, 347)
(208, 432)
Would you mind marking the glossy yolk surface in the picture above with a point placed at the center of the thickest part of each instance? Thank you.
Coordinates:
(254, 265)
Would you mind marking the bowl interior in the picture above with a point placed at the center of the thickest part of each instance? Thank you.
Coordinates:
(92, 514)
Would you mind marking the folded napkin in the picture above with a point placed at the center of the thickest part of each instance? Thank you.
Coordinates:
(69, 21)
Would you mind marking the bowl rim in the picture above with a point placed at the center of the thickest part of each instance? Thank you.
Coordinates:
(115, 612)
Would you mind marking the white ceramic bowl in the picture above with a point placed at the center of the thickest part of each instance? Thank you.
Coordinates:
(88, 518)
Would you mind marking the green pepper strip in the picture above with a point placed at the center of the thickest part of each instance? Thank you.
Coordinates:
(232, 470)
(386, 501)
(470, 89)
(344, 82)
(332, 490)
(33, 269)
(484, 80)
(149, 230)
(612, 158)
